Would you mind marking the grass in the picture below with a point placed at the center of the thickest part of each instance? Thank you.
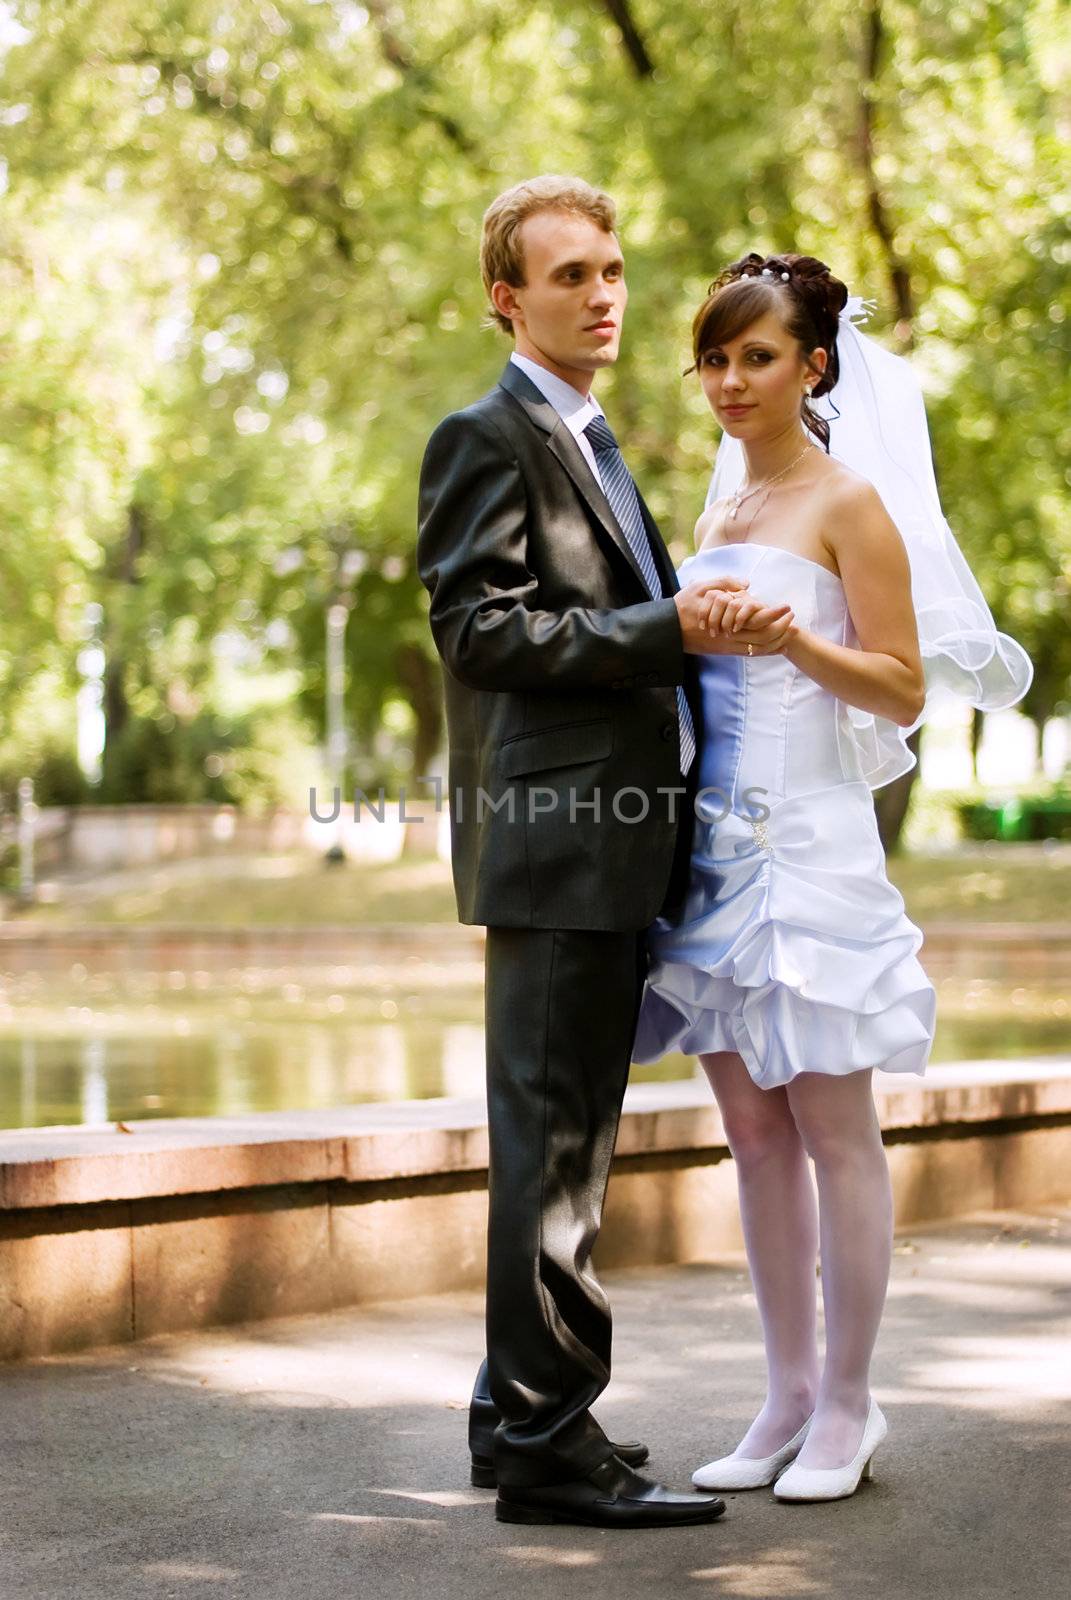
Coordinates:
(265, 891)
(990, 883)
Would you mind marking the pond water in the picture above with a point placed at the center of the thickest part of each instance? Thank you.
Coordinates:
(113, 1056)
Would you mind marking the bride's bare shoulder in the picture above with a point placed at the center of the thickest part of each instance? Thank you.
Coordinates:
(843, 486)
(850, 498)
(856, 524)
(710, 529)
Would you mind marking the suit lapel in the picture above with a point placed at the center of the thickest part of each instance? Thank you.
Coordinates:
(565, 450)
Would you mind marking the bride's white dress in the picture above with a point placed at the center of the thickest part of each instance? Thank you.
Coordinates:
(793, 947)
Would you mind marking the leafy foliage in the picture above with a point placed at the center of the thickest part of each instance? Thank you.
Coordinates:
(238, 262)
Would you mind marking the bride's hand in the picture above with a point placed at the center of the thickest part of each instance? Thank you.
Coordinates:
(769, 633)
(735, 614)
(740, 625)
(731, 614)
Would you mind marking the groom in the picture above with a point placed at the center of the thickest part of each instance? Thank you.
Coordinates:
(574, 721)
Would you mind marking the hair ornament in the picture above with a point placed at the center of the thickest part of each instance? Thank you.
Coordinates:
(855, 309)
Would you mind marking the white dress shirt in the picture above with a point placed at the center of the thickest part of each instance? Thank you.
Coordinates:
(575, 409)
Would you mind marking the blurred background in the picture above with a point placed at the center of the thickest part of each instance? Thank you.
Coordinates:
(239, 287)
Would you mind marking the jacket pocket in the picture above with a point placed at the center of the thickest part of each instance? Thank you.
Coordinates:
(566, 746)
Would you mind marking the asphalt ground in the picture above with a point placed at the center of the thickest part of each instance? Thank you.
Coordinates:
(322, 1457)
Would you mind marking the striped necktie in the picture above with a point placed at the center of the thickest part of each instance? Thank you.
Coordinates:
(620, 491)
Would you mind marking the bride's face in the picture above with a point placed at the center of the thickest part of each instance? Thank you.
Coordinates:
(755, 382)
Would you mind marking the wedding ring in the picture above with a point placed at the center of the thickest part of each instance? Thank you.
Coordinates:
(751, 649)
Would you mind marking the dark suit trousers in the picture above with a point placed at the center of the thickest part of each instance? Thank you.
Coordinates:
(561, 1009)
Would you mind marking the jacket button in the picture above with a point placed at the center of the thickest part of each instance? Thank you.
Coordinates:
(668, 731)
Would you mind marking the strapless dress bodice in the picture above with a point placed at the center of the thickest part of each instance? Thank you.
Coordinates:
(766, 723)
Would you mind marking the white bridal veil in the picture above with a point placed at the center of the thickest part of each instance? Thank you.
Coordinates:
(878, 428)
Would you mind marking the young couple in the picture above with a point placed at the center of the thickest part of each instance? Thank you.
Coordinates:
(582, 672)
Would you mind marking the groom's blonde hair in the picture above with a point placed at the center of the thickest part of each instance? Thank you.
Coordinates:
(501, 254)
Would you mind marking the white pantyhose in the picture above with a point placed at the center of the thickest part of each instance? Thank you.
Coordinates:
(771, 1132)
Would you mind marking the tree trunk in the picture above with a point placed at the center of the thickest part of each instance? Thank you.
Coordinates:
(122, 574)
(891, 803)
(421, 680)
(880, 221)
(635, 48)
(977, 730)
(1039, 757)
(387, 20)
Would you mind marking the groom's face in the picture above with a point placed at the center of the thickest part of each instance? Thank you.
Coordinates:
(568, 313)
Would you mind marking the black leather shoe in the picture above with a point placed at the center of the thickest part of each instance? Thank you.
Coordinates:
(633, 1454)
(612, 1496)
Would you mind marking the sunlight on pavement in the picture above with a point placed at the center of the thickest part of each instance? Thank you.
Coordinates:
(997, 1373)
(775, 1574)
(200, 1571)
(537, 1555)
(266, 1376)
(1021, 1301)
(392, 1522)
(444, 1498)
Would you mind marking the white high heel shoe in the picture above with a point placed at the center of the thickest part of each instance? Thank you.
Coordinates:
(741, 1472)
(835, 1483)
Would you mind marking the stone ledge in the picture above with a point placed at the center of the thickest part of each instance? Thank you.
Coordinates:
(64, 1166)
(432, 933)
(999, 932)
(417, 934)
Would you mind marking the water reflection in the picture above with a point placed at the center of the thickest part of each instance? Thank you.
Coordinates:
(27, 1084)
(224, 1057)
(94, 1084)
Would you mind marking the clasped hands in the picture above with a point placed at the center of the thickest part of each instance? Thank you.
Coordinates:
(718, 617)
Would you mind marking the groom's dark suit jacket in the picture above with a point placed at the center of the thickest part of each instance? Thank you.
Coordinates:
(560, 676)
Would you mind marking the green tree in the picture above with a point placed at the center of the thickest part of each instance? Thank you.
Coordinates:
(293, 301)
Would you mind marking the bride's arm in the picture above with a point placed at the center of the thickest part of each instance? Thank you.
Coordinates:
(885, 675)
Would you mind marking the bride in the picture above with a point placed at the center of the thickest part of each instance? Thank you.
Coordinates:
(793, 970)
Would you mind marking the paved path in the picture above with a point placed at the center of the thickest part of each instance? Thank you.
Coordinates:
(322, 1458)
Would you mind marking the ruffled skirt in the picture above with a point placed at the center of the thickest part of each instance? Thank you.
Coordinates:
(794, 949)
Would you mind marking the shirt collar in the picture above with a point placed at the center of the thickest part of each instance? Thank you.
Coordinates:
(576, 410)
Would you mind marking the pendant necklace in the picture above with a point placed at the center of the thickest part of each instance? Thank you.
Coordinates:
(737, 498)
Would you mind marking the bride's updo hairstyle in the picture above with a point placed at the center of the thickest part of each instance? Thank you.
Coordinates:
(807, 298)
